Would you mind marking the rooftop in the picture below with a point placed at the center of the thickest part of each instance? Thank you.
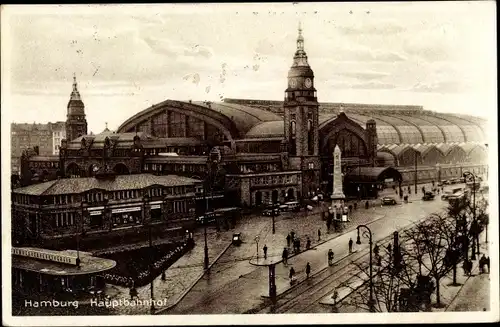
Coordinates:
(88, 263)
(119, 183)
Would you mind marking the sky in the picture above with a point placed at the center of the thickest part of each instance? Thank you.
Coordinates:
(126, 58)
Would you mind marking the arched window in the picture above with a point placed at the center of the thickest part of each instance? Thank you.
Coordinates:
(293, 149)
(310, 138)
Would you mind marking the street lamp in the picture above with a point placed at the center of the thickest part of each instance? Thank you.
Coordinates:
(476, 229)
(147, 215)
(205, 220)
(273, 205)
(257, 242)
(371, 303)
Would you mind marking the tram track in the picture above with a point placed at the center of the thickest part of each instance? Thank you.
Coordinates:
(308, 294)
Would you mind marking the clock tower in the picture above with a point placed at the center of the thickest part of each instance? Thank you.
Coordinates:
(301, 120)
(76, 124)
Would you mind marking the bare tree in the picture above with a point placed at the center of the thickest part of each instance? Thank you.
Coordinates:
(429, 247)
(390, 278)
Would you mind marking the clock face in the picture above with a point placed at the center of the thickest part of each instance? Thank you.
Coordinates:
(293, 83)
(308, 83)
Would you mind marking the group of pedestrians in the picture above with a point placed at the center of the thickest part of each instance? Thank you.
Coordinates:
(291, 274)
(294, 242)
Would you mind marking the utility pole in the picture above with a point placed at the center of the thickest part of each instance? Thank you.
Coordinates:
(416, 176)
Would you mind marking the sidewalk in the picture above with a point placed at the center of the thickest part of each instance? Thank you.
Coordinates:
(184, 274)
(471, 294)
(180, 277)
(474, 294)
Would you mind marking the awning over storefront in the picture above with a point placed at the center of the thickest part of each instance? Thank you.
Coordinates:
(373, 175)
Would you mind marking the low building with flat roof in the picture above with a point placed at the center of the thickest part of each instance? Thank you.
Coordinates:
(38, 272)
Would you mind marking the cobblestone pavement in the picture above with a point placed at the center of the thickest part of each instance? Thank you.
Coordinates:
(179, 277)
(246, 283)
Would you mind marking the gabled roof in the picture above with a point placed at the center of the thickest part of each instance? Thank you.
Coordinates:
(121, 182)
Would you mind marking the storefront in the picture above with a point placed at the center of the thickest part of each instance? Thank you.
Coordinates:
(39, 272)
(156, 211)
(96, 217)
(126, 216)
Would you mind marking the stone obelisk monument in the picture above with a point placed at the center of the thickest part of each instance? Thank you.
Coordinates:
(338, 196)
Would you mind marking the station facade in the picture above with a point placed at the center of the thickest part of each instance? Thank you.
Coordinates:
(271, 151)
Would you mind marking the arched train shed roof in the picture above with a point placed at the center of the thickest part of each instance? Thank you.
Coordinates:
(263, 119)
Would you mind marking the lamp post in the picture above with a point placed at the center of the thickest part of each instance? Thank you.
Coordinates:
(371, 303)
(416, 171)
(257, 243)
(273, 205)
(474, 221)
(147, 216)
(79, 223)
(205, 221)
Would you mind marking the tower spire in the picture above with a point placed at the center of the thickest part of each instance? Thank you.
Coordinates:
(75, 95)
(300, 39)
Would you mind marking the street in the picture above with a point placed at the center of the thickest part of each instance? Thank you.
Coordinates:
(236, 286)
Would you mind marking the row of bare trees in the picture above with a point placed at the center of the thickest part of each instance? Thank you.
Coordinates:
(409, 270)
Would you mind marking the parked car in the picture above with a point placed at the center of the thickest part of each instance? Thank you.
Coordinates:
(446, 195)
(293, 206)
(428, 196)
(210, 220)
(388, 201)
(237, 239)
(269, 212)
(283, 207)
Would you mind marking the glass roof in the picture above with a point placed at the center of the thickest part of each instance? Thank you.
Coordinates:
(387, 134)
(432, 134)
(473, 133)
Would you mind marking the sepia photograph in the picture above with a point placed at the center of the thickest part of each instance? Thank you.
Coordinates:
(249, 163)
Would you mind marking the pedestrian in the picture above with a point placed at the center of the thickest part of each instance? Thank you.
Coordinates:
(298, 245)
(467, 267)
(163, 277)
(350, 208)
(308, 269)
(389, 248)
(367, 205)
(308, 243)
(265, 251)
(288, 238)
(376, 249)
(291, 275)
(292, 235)
(350, 245)
(330, 257)
(133, 293)
(488, 264)
(482, 263)
(355, 205)
(284, 256)
(319, 234)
